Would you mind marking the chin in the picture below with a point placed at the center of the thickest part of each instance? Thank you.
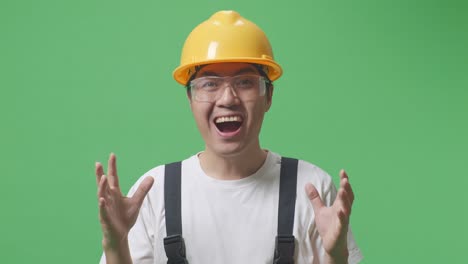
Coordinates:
(227, 149)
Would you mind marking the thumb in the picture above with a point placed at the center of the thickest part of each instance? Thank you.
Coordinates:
(314, 196)
(142, 190)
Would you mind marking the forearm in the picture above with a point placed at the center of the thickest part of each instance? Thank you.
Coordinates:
(117, 253)
(342, 259)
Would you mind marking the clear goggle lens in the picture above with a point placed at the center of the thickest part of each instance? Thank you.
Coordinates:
(211, 88)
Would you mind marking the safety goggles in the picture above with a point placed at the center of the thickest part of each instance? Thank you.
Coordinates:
(211, 88)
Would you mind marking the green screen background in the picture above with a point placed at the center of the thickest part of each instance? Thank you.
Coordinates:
(376, 87)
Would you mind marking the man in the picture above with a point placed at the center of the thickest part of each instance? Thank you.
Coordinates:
(230, 191)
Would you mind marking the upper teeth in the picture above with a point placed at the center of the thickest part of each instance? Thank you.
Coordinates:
(228, 119)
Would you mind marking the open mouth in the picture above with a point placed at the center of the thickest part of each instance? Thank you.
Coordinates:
(228, 124)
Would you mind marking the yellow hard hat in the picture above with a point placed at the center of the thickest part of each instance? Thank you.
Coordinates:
(226, 37)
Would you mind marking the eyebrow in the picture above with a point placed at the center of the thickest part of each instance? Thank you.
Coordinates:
(241, 71)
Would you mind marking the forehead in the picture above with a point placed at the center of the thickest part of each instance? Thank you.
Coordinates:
(226, 69)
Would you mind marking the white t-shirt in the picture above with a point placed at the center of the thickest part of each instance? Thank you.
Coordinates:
(232, 221)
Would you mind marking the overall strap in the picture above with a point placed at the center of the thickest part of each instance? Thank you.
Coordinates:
(174, 242)
(284, 246)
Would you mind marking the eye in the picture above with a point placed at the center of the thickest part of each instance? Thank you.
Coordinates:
(245, 82)
(208, 84)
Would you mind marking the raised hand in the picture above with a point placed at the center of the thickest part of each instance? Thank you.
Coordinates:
(332, 222)
(117, 213)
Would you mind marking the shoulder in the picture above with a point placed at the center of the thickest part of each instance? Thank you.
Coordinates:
(308, 172)
(157, 173)
(323, 182)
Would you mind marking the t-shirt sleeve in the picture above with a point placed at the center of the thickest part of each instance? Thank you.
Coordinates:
(141, 235)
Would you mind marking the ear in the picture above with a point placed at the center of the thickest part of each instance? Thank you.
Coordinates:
(189, 95)
(269, 97)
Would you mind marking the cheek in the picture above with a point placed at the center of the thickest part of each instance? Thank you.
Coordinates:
(201, 115)
(257, 113)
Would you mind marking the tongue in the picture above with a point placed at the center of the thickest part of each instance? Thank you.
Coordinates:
(228, 126)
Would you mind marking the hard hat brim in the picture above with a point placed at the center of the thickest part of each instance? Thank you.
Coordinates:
(183, 73)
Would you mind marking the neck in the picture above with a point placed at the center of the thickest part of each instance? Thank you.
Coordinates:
(232, 167)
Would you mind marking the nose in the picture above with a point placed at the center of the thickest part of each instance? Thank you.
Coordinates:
(228, 97)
